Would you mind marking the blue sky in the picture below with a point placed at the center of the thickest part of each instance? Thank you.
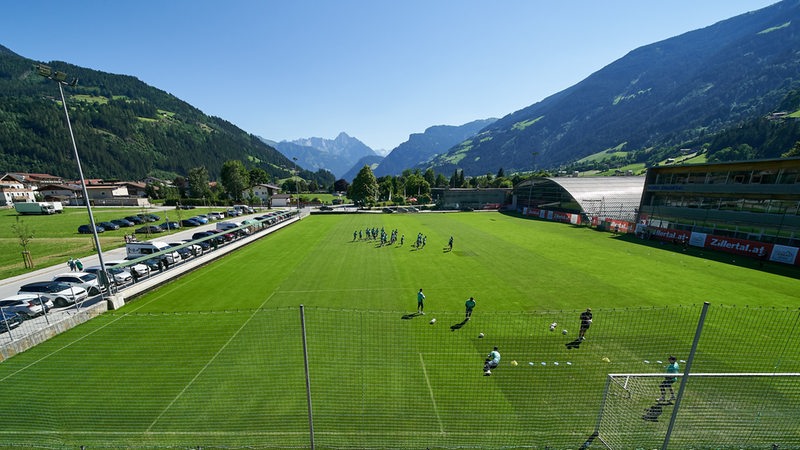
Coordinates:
(376, 70)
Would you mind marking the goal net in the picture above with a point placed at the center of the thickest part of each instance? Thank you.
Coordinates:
(716, 410)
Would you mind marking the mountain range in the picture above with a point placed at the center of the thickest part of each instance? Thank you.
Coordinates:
(671, 93)
(697, 90)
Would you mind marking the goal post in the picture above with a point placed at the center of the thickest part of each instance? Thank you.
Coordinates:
(717, 410)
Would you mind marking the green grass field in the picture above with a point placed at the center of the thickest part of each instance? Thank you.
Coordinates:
(56, 237)
(214, 359)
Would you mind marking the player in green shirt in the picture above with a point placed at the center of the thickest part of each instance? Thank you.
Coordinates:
(420, 302)
(470, 304)
(672, 369)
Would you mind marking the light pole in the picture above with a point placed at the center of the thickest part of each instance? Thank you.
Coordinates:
(61, 79)
(297, 183)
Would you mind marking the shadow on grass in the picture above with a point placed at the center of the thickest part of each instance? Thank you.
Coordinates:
(411, 316)
(589, 441)
(574, 344)
(457, 326)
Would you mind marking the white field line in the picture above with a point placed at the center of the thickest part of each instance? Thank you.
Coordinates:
(21, 369)
(430, 391)
(203, 369)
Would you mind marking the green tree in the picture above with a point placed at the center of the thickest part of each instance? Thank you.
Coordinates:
(258, 176)
(364, 189)
(235, 179)
(181, 184)
(795, 151)
(25, 235)
(198, 182)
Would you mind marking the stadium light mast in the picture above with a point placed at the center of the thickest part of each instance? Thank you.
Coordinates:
(61, 79)
(297, 183)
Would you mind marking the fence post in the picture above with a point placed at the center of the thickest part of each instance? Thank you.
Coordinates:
(685, 377)
(308, 378)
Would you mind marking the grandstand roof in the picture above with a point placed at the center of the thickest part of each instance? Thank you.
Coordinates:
(610, 197)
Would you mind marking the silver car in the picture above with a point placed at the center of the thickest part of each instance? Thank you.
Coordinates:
(120, 276)
(26, 305)
(88, 281)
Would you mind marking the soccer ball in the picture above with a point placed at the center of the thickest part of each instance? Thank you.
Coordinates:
(433, 321)
(553, 326)
(480, 335)
(513, 363)
(564, 332)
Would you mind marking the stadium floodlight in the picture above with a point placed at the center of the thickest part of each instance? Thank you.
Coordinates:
(61, 79)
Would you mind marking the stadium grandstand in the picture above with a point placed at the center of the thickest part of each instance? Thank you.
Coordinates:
(605, 201)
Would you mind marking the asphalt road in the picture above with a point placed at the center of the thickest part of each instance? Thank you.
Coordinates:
(10, 286)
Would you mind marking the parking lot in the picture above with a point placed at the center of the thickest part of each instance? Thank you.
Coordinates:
(96, 304)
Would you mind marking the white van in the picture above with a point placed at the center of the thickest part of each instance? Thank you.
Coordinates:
(139, 249)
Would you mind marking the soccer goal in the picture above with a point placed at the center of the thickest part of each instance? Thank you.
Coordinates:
(717, 410)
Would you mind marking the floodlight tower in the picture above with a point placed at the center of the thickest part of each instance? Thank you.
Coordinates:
(61, 79)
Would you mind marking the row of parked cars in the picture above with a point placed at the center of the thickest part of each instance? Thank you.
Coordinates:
(65, 289)
(116, 224)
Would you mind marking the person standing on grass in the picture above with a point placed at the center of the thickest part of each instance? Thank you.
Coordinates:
(470, 305)
(586, 322)
(450, 243)
(672, 369)
(420, 302)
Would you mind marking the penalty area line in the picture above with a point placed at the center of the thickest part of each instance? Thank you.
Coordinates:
(430, 391)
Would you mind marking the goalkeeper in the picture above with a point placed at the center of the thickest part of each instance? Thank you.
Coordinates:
(492, 360)
(672, 370)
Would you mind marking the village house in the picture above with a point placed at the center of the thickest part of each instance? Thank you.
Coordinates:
(12, 190)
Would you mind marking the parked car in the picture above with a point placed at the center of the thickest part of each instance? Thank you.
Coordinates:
(170, 226)
(135, 219)
(151, 264)
(215, 239)
(120, 276)
(149, 217)
(9, 321)
(26, 305)
(149, 229)
(109, 225)
(200, 219)
(233, 213)
(187, 207)
(86, 280)
(216, 215)
(123, 222)
(227, 235)
(190, 223)
(87, 229)
(204, 245)
(61, 294)
(138, 269)
(185, 252)
(325, 208)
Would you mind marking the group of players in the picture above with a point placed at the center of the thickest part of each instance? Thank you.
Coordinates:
(384, 238)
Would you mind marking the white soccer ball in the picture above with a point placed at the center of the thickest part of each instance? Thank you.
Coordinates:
(433, 321)
(480, 335)
(563, 331)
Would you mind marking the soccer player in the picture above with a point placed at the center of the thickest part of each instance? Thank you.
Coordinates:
(469, 304)
(492, 360)
(450, 243)
(586, 322)
(420, 302)
(672, 369)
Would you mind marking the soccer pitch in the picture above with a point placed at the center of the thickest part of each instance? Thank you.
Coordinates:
(215, 358)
